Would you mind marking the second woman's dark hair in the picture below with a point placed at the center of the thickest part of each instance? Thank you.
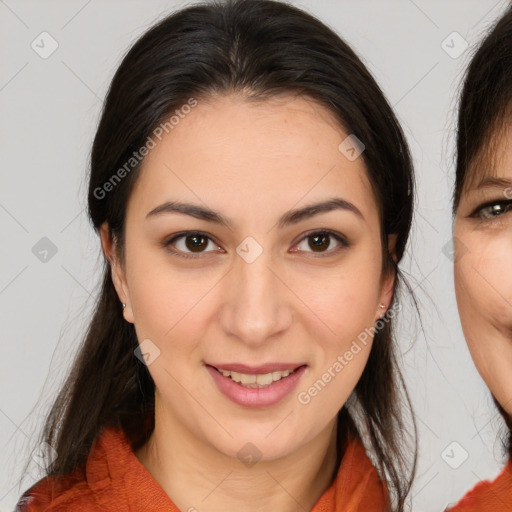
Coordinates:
(258, 48)
(485, 107)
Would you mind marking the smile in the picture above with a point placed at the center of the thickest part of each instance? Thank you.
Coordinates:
(261, 380)
(256, 387)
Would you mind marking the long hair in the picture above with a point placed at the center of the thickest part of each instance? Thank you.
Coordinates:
(484, 108)
(261, 48)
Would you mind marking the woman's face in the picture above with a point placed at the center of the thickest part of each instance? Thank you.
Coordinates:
(483, 272)
(259, 286)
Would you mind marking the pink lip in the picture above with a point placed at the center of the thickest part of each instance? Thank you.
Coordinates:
(256, 370)
(256, 397)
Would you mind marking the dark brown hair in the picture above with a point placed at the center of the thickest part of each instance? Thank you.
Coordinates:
(261, 48)
(484, 105)
(484, 111)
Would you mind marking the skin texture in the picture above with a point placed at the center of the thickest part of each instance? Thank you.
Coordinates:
(252, 162)
(483, 273)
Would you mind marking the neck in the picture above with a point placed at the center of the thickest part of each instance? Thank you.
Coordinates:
(196, 476)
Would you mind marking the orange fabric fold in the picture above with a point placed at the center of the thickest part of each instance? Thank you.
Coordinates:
(115, 480)
(495, 496)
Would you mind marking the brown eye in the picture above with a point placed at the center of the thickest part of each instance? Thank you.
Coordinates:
(196, 243)
(322, 242)
(319, 242)
(191, 242)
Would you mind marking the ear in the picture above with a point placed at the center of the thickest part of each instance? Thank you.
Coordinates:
(118, 276)
(388, 280)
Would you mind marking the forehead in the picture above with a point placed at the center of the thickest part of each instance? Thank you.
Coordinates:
(258, 153)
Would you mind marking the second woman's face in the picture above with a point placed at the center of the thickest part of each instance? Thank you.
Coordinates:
(483, 272)
(253, 246)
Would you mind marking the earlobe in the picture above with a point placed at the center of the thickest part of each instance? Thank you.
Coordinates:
(127, 313)
(386, 299)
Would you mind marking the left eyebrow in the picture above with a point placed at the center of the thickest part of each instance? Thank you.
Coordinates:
(289, 218)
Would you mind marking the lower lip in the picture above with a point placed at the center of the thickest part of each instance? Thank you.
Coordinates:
(256, 397)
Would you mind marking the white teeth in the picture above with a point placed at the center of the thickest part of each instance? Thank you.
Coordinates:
(237, 377)
(255, 381)
(265, 379)
(249, 379)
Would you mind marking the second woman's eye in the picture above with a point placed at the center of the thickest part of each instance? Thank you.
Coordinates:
(493, 210)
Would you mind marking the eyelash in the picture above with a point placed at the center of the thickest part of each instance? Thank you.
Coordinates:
(337, 236)
(503, 204)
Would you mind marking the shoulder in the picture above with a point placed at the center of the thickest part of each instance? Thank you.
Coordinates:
(58, 494)
(357, 485)
(495, 495)
(360, 475)
(82, 489)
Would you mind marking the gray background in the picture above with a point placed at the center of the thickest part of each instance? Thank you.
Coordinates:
(49, 111)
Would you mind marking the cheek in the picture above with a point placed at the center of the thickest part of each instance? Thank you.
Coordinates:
(162, 298)
(342, 302)
(483, 283)
(484, 280)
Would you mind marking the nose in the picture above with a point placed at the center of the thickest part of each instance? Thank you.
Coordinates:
(256, 302)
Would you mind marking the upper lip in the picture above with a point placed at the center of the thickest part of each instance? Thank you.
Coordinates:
(256, 370)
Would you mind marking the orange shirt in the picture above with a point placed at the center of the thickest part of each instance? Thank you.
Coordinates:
(115, 480)
(493, 496)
